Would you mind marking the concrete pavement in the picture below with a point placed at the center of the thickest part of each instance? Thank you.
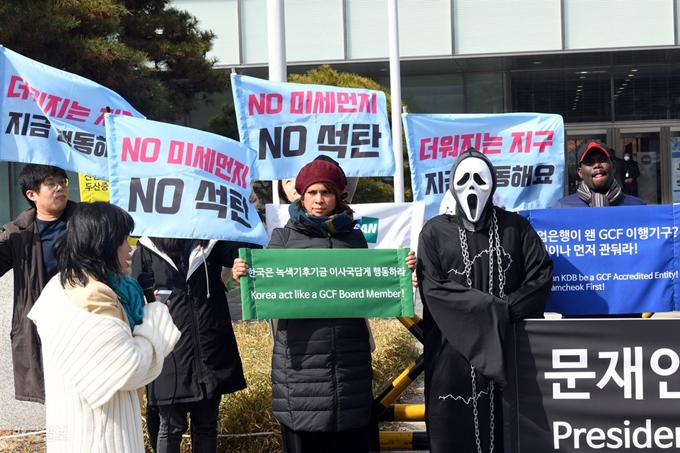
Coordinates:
(14, 415)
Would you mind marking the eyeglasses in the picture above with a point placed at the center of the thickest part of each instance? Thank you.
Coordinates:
(52, 185)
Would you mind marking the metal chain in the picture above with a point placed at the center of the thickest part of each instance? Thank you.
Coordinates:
(475, 412)
(494, 245)
(474, 409)
(499, 255)
(466, 255)
(491, 244)
(491, 424)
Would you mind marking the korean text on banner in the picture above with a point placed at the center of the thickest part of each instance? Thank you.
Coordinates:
(326, 283)
(290, 124)
(526, 149)
(613, 260)
(93, 189)
(53, 117)
(592, 385)
(180, 182)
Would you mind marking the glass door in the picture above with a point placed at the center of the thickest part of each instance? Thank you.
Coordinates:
(675, 165)
(645, 150)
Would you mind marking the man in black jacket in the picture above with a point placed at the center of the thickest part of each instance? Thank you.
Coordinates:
(631, 174)
(619, 172)
(26, 248)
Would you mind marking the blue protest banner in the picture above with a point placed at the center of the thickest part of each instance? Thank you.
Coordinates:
(180, 182)
(527, 150)
(611, 260)
(290, 124)
(53, 117)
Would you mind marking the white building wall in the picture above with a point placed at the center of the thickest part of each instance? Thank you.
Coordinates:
(502, 26)
(424, 28)
(253, 32)
(366, 29)
(220, 17)
(354, 30)
(618, 24)
(677, 22)
(314, 30)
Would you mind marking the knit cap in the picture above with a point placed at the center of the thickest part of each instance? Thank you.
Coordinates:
(319, 171)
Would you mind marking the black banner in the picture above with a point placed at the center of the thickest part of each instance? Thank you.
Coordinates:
(593, 385)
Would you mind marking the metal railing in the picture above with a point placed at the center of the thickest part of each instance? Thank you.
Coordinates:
(384, 409)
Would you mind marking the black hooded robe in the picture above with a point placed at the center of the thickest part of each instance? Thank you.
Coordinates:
(466, 325)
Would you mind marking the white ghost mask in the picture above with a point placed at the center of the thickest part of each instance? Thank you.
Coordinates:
(473, 183)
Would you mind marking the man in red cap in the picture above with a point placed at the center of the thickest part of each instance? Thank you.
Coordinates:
(598, 185)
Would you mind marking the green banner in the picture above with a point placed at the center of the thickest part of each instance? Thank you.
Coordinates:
(326, 283)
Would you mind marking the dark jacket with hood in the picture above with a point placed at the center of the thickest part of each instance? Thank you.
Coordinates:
(206, 352)
(321, 368)
(21, 250)
(476, 279)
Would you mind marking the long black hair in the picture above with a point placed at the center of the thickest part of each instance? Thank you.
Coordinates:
(283, 197)
(90, 246)
(176, 249)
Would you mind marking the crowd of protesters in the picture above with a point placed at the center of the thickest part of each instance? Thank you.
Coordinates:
(86, 343)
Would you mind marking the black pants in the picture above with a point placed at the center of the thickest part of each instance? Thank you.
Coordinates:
(153, 424)
(352, 440)
(203, 425)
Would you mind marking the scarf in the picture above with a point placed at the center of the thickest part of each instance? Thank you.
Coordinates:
(327, 225)
(613, 197)
(131, 297)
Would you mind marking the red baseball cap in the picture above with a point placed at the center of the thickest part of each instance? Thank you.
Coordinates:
(585, 149)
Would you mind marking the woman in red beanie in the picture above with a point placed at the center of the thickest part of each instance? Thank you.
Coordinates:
(321, 368)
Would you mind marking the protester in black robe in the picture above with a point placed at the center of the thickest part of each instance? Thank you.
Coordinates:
(479, 271)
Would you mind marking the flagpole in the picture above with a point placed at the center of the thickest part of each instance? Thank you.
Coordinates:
(395, 92)
(276, 42)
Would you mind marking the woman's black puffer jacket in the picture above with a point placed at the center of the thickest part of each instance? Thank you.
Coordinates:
(321, 368)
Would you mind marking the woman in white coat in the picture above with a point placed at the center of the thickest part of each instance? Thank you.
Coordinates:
(101, 342)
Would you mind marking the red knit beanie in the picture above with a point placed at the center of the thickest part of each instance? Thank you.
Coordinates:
(319, 171)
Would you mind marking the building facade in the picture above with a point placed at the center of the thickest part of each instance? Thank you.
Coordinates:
(611, 68)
